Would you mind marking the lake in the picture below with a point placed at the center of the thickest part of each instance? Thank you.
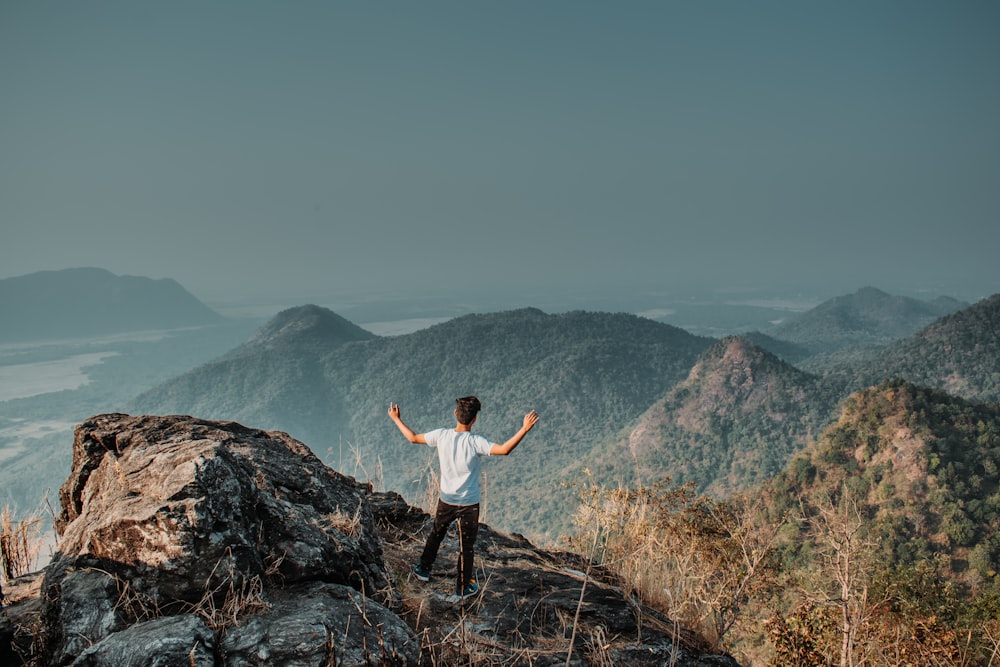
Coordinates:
(43, 377)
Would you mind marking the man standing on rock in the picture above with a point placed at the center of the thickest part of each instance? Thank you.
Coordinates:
(458, 454)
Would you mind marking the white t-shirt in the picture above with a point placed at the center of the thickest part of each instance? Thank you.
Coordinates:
(458, 454)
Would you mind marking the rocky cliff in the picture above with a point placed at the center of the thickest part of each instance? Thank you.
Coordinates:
(192, 542)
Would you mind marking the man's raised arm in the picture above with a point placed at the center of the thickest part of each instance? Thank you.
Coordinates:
(506, 448)
(417, 438)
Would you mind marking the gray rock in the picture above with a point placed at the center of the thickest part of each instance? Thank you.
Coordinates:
(321, 624)
(201, 503)
(88, 612)
(529, 601)
(162, 642)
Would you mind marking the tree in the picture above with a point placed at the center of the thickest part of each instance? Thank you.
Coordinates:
(847, 560)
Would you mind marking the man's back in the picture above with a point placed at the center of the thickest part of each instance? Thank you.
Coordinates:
(459, 455)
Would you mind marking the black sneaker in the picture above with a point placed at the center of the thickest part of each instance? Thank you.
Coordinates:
(470, 589)
(420, 573)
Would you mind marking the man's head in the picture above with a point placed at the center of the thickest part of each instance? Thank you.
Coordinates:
(466, 409)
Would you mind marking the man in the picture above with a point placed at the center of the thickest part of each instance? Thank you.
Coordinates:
(458, 455)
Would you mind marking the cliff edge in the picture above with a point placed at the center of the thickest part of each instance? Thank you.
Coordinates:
(186, 541)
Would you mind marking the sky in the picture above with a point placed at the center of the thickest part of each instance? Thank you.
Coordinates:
(291, 149)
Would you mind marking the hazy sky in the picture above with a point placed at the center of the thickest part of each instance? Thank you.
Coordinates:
(276, 148)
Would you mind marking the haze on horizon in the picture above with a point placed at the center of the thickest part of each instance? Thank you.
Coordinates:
(253, 148)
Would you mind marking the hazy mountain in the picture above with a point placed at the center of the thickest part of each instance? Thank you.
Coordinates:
(792, 353)
(922, 466)
(306, 325)
(867, 317)
(75, 303)
(328, 383)
(735, 421)
(959, 353)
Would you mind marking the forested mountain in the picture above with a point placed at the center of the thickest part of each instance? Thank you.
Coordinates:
(917, 472)
(733, 423)
(619, 394)
(876, 545)
(312, 374)
(959, 353)
(76, 303)
(867, 317)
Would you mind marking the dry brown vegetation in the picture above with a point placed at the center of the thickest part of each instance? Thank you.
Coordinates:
(699, 561)
(20, 544)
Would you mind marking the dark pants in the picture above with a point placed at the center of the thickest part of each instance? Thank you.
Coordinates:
(468, 528)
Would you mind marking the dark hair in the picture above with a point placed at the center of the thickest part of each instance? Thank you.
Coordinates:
(466, 409)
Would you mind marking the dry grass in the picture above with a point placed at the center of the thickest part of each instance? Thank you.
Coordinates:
(234, 598)
(431, 491)
(348, 524)
(376, 478)
(697, 560)
(20, 544)
(448, 633)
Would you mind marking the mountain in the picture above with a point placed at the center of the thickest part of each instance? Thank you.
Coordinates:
(924, 469)
(307, 325)
(959, 353)
(867, 317)
(75, 303)
(733, 423)
(312, 374)
(882, 536)
(792, 353)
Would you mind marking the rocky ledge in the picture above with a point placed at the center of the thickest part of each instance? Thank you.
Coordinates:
(192, 542)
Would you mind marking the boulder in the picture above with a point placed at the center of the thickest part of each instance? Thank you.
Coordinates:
(201, 502)
(169, 519)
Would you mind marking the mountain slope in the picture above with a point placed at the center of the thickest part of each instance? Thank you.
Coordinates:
(959, 353)
(922, 465)
(734, 422)
(586, 373)
(867, 317)
(76, 303)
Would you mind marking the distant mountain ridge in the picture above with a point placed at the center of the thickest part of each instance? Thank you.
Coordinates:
(959, 353)
(869, 316)
(74, 303)
(626, 396)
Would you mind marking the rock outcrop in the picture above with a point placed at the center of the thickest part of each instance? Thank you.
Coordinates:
(185, 541)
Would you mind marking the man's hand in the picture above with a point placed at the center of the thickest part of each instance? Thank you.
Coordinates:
(530, 420)
(527, 424)
(417, 438)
